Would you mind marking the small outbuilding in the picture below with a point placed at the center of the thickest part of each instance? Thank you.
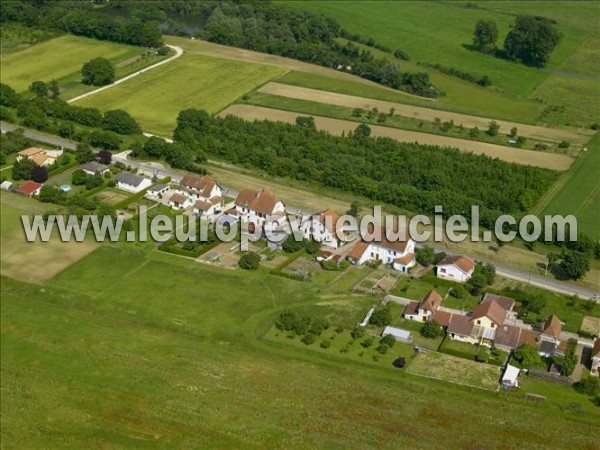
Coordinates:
(509, 378)
(29, 188)
(399, 334)
(6, 185)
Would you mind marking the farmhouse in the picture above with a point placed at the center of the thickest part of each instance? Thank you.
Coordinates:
(456, 268)
(158, 190)
(322, 227)
(258, 206)
(595, 369)
(200, 188)
(425, 309)
(29, 188)
(399, 254)
(131, 182)
(549, 337)
(93, 168)
(38, 155)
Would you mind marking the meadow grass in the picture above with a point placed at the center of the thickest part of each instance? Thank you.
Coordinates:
(578, 191)
(57, 58)
(130, 348)
(155, 98)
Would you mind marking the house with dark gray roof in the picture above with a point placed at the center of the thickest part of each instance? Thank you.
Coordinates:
(92, 168)
(131, 182)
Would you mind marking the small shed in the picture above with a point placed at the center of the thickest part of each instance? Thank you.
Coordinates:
(509, 378)
(399, 334)
(6, 185)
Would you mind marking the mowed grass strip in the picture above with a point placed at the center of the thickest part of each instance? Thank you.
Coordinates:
(54, 59)
(579, 194)
(338, 126)
(155, 98)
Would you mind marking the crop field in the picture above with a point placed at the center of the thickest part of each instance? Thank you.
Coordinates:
(97, 355)
(155, 98)
(578, 191)
(337, 126)
(427, 114)
(57, 58)
(445, 33)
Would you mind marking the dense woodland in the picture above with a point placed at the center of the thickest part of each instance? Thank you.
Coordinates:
(411, 176)
(262, 26)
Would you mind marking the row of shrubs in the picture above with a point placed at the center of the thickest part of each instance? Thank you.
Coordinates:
(481, 81)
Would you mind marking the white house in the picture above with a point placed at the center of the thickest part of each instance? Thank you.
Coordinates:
(456, 268)
(258, 206)
(93, 168)
(131, 182)
(158, 191)
(179, 201)
(322, 227)
(201, 188)
(399, 254)
(205, 208)
(595, 369)
(425, 309)
(38, 155)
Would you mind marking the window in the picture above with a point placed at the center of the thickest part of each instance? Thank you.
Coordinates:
(479, 322)
(443, 270)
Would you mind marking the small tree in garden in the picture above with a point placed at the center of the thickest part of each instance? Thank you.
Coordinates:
(249, 261)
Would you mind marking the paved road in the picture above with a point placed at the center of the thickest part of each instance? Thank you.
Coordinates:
(161, 171)
(39, 136)
(178, 53)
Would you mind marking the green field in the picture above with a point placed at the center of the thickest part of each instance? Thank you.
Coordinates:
(441, 32)
(129, 347)
(155, 98)
(57, 58)
(578, 191)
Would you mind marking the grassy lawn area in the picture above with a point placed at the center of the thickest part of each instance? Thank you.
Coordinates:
(57, 58)
(578, 191)
(155, 98)
(415, 288)
(16, 37)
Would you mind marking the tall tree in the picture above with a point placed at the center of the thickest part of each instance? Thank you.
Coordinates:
(531, 40)
(575, 264)
(485, 36)
(98, 72)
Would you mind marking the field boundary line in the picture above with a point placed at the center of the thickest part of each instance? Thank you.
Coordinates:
(178, 53)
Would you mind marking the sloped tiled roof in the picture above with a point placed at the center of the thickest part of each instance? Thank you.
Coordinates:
(263, 202)
(39, 158)
(460, 325)
(411, 308)
(357, 251)
(28, 188)
(203, 185)
(462, 262)
(129, 178)
(406, 259)
(431, 301)
(30, 151)
(506, 302)
(178, 198)
(492, 310)
(596, 349)
(552, 326)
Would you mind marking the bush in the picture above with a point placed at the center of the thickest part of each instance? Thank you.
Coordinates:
(388, 340)
(431, 330)
(249, 261)
(368, 342)
(482, 355)
(326, 343)
(382, 348)
(98, 72)
(564, 144)
(309, 339)
(381, 317)
(357, 332)
(399, 363)
(589, 386)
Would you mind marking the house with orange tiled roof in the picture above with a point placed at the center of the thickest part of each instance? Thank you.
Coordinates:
(201, 193)
(398, 253)
(456, 268)
(425, 309)
(258, 206)
(38, 155)
(549, 339)
(323, 227)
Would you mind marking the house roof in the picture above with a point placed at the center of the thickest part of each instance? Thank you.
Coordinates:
(94, 167)
(129, 178)
(263, 202)
(462, 262)
(158, 187)
(514, 337)
(202, 205)
(491, 310)
(528, 337)
(442, 317)
(506, 302)
(204, 185)
(178, 198)
(397, 245)
(358, 250)
(406, 259)
(431, 301)
(511, 373)
(30, 151)
(398, 333)
(411, 308)
(39, 158)
(596, 349)
(552, 326)
(329, 219)
(28, 188)
(460, 325)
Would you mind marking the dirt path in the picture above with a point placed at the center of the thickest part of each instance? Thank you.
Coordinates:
(337, 126)
(178, 53)
(418, 112)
